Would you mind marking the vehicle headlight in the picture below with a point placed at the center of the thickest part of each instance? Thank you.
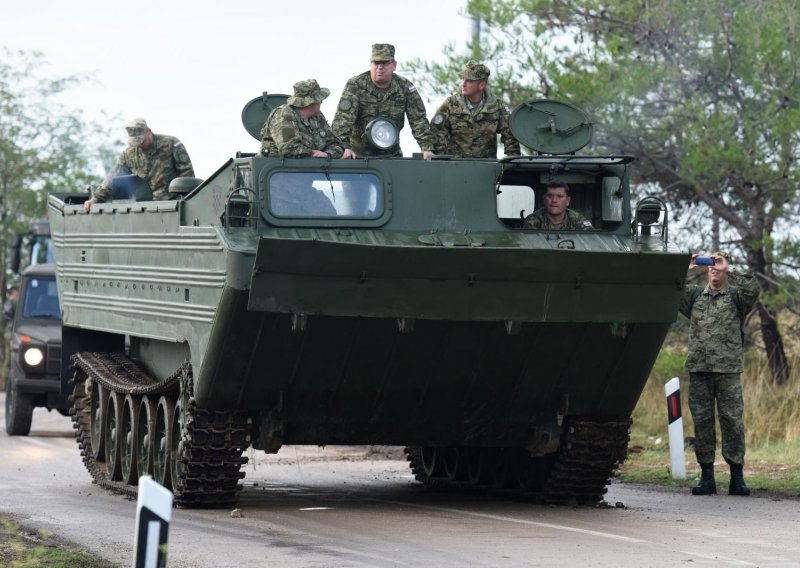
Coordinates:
(33, 356)
(382, 133)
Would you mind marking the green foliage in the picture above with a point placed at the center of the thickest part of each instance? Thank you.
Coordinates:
(44, 146)
(703, 94)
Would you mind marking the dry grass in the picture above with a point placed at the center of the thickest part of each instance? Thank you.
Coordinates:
(771, 413)
(772, 426)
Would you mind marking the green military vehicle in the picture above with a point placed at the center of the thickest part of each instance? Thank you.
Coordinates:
(34, 344)
(369, 301)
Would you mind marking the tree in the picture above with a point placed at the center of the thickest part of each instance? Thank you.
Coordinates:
(44, 147)
(705, 95)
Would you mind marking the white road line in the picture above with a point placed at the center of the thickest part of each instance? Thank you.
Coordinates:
(503, 518)
(718, 558)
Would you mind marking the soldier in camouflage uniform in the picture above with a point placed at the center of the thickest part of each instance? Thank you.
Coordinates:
(555, 215)
(466, 125)
(299, 130)
(379, 92)
(716, 313)
(155, 158)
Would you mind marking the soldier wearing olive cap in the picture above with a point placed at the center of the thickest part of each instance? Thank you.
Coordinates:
(298, 129)
(155, 158)
(380, 92)
(466, 124)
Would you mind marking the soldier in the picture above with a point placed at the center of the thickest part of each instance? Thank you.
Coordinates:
(555, 215)
(466, 125)
(299, 130)
(380, 93)
(716, 314)
(155, 158)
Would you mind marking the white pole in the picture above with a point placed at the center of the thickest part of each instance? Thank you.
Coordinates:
(153, 513)
(675, 421)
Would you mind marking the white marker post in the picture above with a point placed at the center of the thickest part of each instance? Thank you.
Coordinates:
(673, 390)
(153, 513)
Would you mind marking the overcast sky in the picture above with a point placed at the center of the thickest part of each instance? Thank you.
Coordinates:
(188, 67)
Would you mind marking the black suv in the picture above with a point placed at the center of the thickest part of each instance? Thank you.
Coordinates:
(34, 374)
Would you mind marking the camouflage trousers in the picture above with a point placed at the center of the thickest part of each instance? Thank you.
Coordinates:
(723, 390)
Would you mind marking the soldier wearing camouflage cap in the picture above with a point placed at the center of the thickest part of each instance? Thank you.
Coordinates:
(155, 158)
(716, 313)
(466, 124)
(298, 129)
(380, 92)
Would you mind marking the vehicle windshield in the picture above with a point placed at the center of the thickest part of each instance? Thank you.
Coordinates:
(41, 299)
(325, 194)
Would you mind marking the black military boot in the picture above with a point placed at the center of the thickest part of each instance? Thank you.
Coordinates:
(737, 486)
(707, 485)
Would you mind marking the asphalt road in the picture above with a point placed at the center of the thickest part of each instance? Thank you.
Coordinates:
(340, 507)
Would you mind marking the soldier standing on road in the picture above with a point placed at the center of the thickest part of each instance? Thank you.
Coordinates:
(716, 313)
(379, 92)
(556, 215)
(466, 125)
(155, 158)
(298, 129)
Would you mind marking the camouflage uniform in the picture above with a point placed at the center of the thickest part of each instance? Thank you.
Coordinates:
(714, 363)
(469, 130)
(166, 160)
(289, 135)
(573, 221)
(362, 101)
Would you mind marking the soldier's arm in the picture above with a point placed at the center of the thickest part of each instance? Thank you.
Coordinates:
(510, 143)
(180, 157)
(331, 144)
(103, 193)
(440, 127)
(418, 119)
(346, 113)
(748, 289)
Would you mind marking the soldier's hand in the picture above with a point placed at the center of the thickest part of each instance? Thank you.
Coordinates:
(691, 262)
(349, 155)
(320, 154)
(427, 154)
(720, 263)
(87, 205)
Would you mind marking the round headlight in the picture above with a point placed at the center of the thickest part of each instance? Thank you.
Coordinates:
(33, 356)
(382, 133)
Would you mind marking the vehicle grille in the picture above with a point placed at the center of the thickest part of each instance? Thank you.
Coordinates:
(54, 359)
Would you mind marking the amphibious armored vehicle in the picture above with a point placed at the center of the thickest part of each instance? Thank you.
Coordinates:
(369, 301)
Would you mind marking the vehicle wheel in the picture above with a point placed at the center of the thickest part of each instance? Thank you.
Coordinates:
(113, 435)
(163, 442)
(176, 448)
(97, 409)
(130, 426)
(19, 411)
(145, 436)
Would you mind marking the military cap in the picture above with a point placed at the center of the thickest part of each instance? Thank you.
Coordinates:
(136, 128)
(474, 71)
(307, 93)
(382, 52)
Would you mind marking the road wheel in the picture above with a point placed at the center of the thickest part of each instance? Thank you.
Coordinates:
(145, 436)
(130, 426)
(176, 464)
(162, 466)
(113, 435)
(19, 411)
(97, 409)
